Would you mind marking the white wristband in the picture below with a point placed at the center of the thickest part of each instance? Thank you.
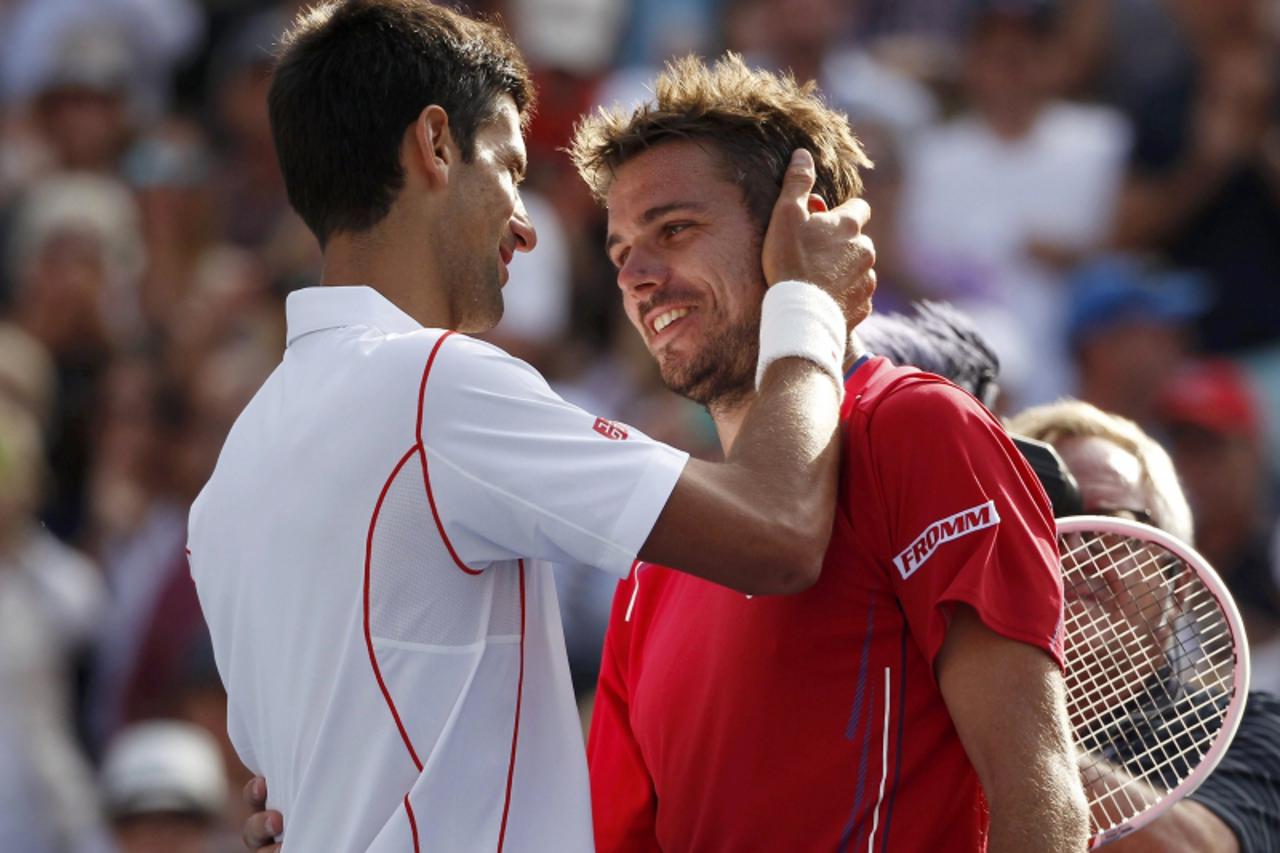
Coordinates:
(802, 320)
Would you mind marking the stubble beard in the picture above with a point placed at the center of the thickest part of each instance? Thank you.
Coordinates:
(721, 373)
(478, 296)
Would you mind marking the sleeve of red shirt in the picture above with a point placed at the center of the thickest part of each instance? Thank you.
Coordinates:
(965, 519)
(623, 802)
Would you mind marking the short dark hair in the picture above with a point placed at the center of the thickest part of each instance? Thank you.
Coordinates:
(352, 75)
(753, 118)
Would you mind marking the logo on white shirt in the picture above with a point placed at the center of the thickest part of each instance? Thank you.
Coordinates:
(611, 430)
(964, 522)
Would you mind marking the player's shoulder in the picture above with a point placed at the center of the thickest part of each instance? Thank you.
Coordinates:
(897, 404)
(881, 388)
(451, 358)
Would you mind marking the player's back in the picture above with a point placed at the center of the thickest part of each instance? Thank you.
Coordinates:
(394, 662)
(358, 655)
(278, 539)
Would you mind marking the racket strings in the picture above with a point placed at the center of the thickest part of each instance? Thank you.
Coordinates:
(1150, 665)
(1189, 724)
(1098, 683)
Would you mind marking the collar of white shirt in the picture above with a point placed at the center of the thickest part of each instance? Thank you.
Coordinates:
(313, 309)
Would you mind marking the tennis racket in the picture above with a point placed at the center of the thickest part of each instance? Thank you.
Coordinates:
(1157, 668)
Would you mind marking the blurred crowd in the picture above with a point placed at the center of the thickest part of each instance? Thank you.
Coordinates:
(1096, 182)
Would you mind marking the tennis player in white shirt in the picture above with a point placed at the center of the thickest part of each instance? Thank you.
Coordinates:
(363, 551)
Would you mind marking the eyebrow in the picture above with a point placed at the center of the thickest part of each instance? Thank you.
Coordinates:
(654, 213)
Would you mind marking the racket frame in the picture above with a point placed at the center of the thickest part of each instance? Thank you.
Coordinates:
(1193, 560)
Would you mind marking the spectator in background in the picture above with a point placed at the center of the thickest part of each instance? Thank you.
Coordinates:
(157, 34)
(156, 445)
(1114, 50)
(998, 201)
(27, 377)
(164, 790)
(811, 39)
(50, 600)
(1127, 322)
(229, 301)
(169, 171)
(74, 256)
(82, 105)
(1121, 471)
(1205, 181)
(897, 285)
(137, 526)
(658, 29)
(251, 189)
(1210, 415)
(939, 339)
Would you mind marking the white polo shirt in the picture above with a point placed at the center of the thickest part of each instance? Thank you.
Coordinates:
(393, 658)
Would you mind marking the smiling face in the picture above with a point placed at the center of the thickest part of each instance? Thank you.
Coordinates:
(488, 221)
(688, 258)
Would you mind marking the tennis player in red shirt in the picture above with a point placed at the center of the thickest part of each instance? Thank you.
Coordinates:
(912, 699)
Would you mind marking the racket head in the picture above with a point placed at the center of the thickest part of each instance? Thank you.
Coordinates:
(1157, 668)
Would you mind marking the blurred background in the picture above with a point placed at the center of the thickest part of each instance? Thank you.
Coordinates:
(1097, 182)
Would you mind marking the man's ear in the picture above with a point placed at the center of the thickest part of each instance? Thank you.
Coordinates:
(429, 147)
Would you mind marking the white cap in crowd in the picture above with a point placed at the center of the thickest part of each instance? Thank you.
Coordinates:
(163, 766)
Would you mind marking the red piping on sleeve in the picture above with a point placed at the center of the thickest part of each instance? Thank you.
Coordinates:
(422, 454)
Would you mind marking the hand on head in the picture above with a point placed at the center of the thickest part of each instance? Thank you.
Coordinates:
(807, 242)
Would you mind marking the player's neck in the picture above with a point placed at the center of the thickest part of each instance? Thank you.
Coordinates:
(728, 417)
(404, 271)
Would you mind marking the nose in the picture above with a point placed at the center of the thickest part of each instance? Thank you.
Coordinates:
(522, 227)
(640, 272)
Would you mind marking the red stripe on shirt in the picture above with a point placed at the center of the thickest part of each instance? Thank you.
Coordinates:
(422, 454)
(368, 635)
(515, 730)
(413, 823)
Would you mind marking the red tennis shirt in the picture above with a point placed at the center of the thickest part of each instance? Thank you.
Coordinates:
(813, 722)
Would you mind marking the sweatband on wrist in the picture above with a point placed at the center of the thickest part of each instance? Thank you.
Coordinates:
(801, 320)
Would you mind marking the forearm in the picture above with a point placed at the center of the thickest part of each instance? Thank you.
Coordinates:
(1046, 812)
(759, 523)
(793, 479)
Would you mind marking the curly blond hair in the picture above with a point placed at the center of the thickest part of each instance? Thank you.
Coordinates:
(754, 119)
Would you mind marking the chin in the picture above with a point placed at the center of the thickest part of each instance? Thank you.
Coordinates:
(482, 315)
(483, 323)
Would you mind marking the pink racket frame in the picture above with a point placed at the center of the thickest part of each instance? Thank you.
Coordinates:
(1231, 721)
